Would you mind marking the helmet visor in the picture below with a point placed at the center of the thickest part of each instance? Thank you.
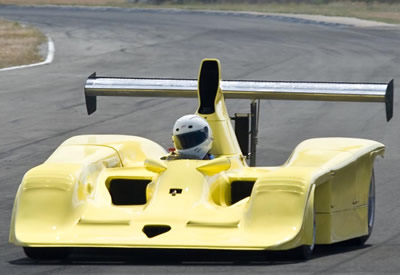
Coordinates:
(192, 139)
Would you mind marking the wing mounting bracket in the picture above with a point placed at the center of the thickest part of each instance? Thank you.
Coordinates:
(242, 131)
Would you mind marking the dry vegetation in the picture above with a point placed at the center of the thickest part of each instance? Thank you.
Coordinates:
(63, 2)
(371, 10)
(19, 44)
(378, 10)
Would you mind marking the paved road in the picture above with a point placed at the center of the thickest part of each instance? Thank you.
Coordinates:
(40, 107)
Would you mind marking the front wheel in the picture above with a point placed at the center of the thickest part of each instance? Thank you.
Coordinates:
(304, 252)
(46, 253)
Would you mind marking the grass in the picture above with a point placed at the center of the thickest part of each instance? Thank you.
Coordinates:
(377, 11)
(19, 44)
(64, 2)
(389, 13)
(382, 12)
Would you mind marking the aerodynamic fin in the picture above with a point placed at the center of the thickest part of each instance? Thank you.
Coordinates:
(237, 89)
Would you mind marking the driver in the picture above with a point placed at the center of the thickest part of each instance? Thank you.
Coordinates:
(192, 137)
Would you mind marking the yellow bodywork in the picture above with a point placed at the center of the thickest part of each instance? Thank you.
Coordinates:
(78, 196)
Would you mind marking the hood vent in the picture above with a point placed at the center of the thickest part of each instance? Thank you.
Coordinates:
(155, 230)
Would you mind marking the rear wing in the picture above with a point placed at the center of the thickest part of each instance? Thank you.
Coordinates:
(240, 89)
(211, 91)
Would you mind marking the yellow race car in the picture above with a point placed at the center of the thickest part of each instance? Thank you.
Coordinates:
(127, 191)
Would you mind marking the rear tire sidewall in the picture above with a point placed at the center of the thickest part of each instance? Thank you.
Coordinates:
(371, 213)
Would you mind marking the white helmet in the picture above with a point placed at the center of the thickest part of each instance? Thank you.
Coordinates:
(192, 137)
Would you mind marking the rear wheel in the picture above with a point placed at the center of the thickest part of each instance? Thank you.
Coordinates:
(46, 253)
(371, 212)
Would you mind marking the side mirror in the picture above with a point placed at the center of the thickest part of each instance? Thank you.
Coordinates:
(154, 165)
(214, 166)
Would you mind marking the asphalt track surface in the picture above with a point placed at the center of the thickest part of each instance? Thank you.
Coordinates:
(41, 107)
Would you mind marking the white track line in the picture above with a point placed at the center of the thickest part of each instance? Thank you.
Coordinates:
(50, 56)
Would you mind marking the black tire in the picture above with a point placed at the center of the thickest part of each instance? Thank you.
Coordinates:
(304, 252)
(371, 212)
(46, 253)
